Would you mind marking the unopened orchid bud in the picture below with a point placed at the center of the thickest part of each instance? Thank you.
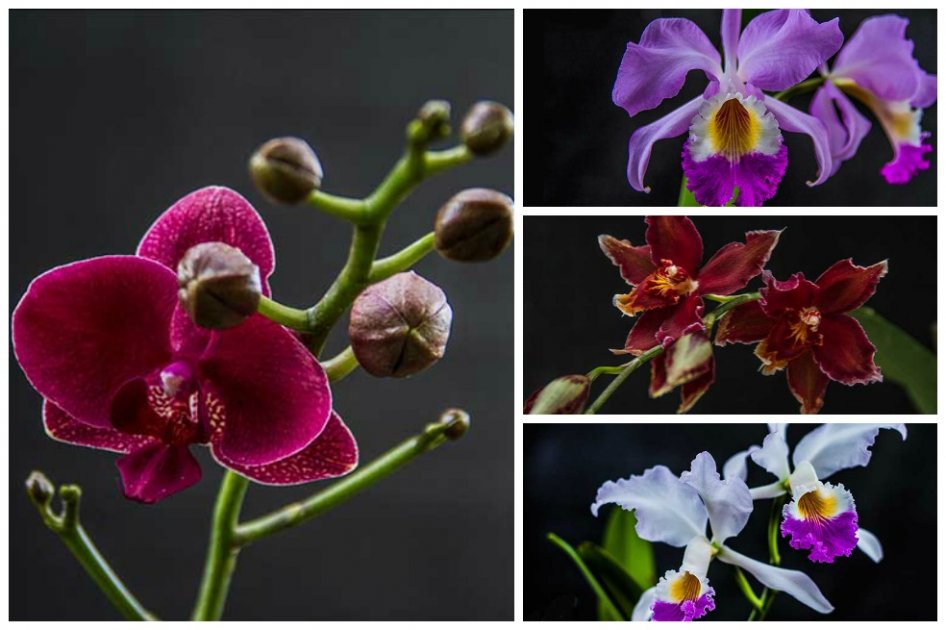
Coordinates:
(474, 225)
(486, 128)
(564, 395)
(219, 285)
(457, 421)
(434, 116)
(40, 488)
(400, 326)
(286, 170)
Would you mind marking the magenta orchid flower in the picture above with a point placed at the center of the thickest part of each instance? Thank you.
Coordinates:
(877, 67)
(735, 138)
(675, 511)
(122, 368)
(821, 517)
(669, 278)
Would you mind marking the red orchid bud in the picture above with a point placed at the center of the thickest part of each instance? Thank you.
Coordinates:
(219, 285)
(486, 128)
(474, 225)
(286, 170)
(400, 327)
(564, 395)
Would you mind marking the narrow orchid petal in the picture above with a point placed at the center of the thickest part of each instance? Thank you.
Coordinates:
(795, 121)
(807, 383)
(870, 545)
(846, 127)
(747, 323)
(643, 608)
(332, 454)
(879, 58)
(676, 239)
(642, 141)
(772, 455)
(733, 266)
(643, 335)
(728, 503)
(792, 294)
(845, 286)
(267, 398)
(62, 427)
(656, 68)
(846, 354)
(83, 330)
(735, 467)
(729, 32)
(210, 214)
(667, 510)
(794, 583)
(634, 262)
(781, 48)
(686, 317)
(157, 470)
(837, 446)
(775, 489)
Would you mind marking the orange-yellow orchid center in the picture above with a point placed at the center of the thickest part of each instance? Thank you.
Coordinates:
(809, 318)
(734, 130)
(685, 588)
(814, 506)
(670, 279)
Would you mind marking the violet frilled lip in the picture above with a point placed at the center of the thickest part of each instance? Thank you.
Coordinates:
(734, 128)
(122, 367)
(877, 67)
(804, 326)
(669, 278)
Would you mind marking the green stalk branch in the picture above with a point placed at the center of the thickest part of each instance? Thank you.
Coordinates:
(66, 525)
(746, 589)
(342, 207)
(403, 260)
(629, 369)
(295, 318)
(341, 365)
(775, 559)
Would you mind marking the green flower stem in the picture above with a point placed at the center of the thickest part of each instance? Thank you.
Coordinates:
(775, 559)
(403, 260)
(621, 377)
(746, 589)
(341, 365)
(437, 161)
(295, 318)
(342, 207)
(364, 477)
(802, 88)
(70, 531)
(605, 369)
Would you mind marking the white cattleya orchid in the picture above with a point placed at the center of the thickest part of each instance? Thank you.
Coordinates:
(821, 516)
(675, 510)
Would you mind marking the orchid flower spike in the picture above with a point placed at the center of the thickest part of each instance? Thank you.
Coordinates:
(735, 130)
(675, 510)
(821, 516)
(877, 68)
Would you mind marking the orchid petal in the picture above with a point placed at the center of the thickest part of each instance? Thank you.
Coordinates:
(794, 583)
(775, 489)
(643, 335)
(642, 141)
(870, 545)
(792, 294)
(879, 58)
(747, 323)
(735, 467)
(634, 263)
(728, 503)
(729, 30)
(62, 427)
(157, 470)
(667, 510)
(845, 286)
(926, 92)
(837, 446)
(685, 317)
(676, 239)
(656, 68)
(691, 392)
(846, 355)
(846, 127)
(689, 358)
(734, 265)
(772, 455)
(807, 383)
(793, 120)
(781, 48)
(643, 609)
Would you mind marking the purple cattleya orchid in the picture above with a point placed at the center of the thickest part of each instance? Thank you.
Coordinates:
(877, 67)
(122, 367)
(735, 138)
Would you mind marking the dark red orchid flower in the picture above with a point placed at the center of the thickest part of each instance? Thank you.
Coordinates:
(804, 326)
(669, 278)
(122, 367)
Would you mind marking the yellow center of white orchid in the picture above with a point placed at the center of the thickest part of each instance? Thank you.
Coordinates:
(815, 506)
(685, 588)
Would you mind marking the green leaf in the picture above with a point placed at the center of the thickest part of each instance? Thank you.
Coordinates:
(621, 587)
(687, 200)
(902, 359)
(634, 555)
(611, 611)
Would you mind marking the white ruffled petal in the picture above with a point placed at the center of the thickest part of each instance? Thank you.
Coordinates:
(794, 583)
(773, 454)
(727, 502)
(834, 447)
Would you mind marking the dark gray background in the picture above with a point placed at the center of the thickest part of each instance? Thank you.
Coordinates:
(570, 322)
(576, 153)
(117, 114)
(564, 465)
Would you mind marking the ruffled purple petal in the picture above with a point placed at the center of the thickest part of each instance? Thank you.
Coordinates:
(793, 120)
(157, 470)
(686, 610)
(879, 58)
(907, 162)
(845, 125)
(781, 48)
(826, 538)
(642, 141)
(656, 68)
(713, 180)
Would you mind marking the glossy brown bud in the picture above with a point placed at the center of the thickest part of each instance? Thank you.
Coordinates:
(486, 128)
(219, 285)
(286, 170)
(564, 395)
(400, 326)
(474, 225)
(40, 488)
(457, 421)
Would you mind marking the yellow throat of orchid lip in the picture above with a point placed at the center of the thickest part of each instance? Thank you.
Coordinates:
(672, 280)
(899, 122)
(685, 588)
(733, 130)
(814, 506)
(809, 318)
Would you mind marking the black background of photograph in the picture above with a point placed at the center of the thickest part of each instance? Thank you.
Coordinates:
(576, 137)
(570, 323)
(564, 465)
(117, 114)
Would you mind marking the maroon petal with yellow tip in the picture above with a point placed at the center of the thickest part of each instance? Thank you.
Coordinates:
(676, 239)
(634, 263)
(846, 355)
(157, 470)
(62, 427)
(691, 392)
(747, 323)
(734, 265)
(845, 286)
(332, 454)
(807, 383)
(781, 296)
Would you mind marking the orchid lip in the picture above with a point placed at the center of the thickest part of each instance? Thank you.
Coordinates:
(178, 380)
